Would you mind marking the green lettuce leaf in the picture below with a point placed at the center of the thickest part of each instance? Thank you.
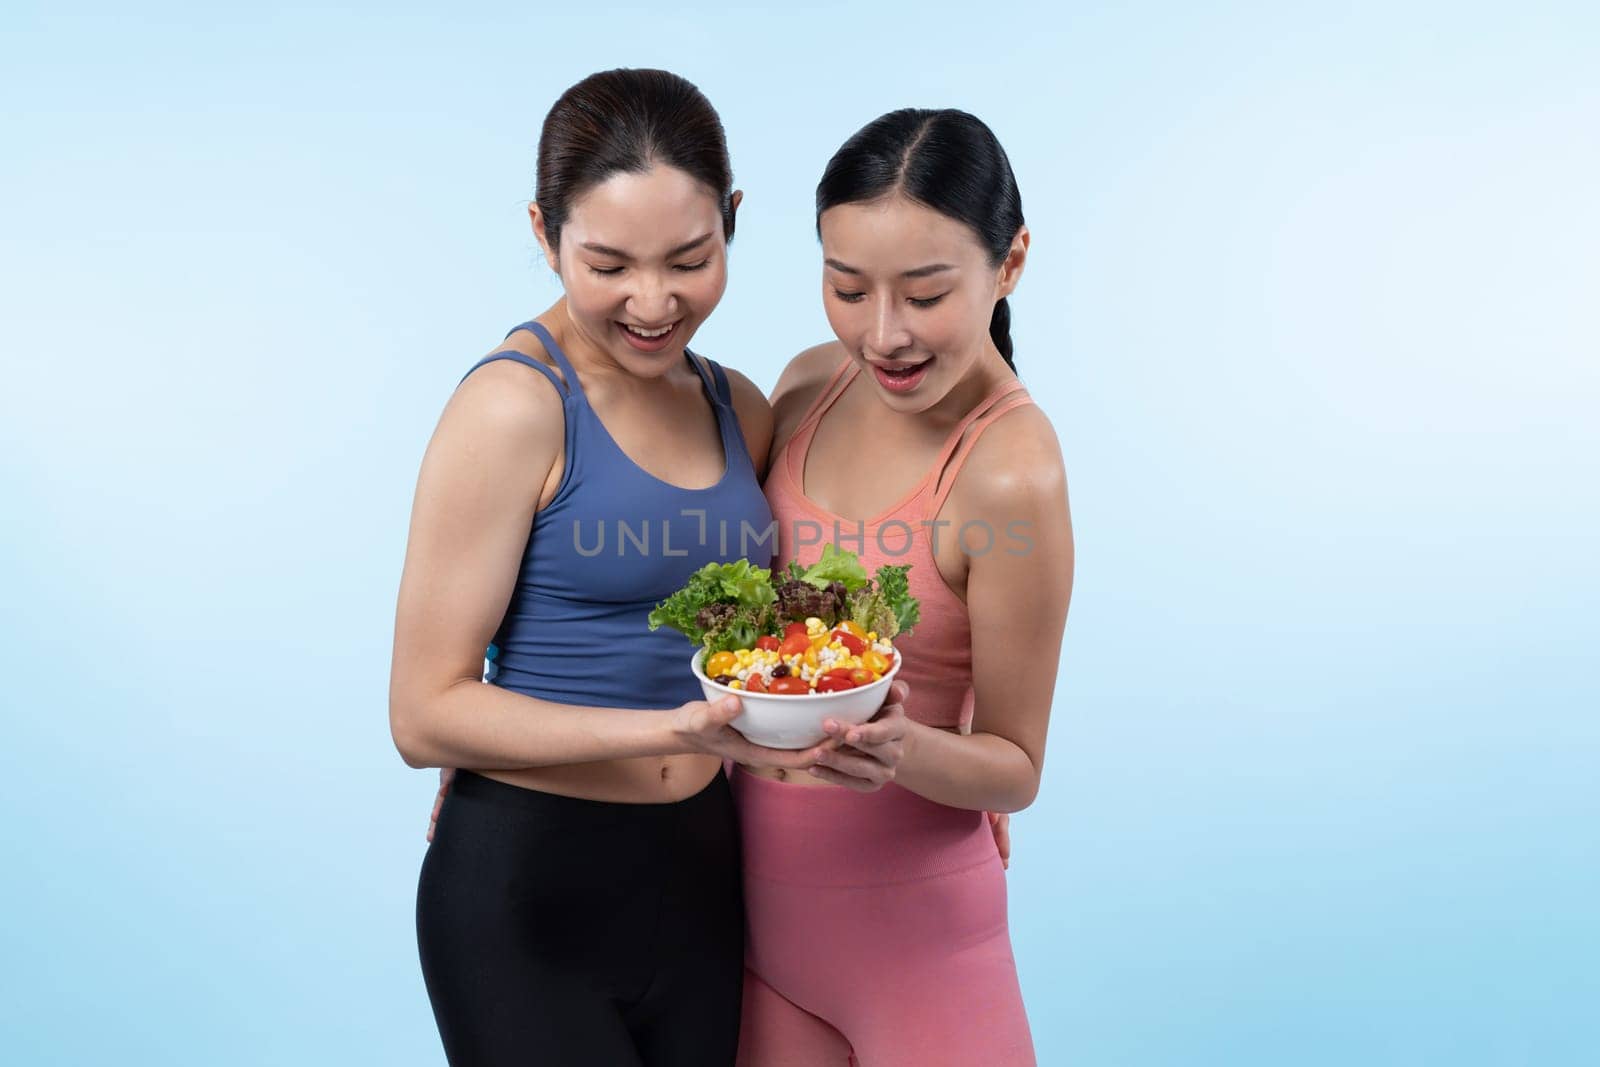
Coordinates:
(835, 566)
(895, 590)
(746, 585)
(747, 588)
(740, 631)
(886, 605)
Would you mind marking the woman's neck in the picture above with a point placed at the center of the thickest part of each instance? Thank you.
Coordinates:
(590, 359)
(986, 374)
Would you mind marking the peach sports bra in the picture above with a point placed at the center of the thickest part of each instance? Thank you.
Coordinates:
(938, 651)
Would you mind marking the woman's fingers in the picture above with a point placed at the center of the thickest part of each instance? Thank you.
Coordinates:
(433, 818)
(894, 699)
(1000, 823)
(874, 768)
(446, 776)
(881, 732)
(751, 755)
(890, 725)
(828, 774)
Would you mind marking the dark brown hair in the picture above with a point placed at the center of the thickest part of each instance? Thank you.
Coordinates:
(947, 160)
(626, 120)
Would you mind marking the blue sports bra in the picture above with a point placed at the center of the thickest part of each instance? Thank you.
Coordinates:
(613, 542)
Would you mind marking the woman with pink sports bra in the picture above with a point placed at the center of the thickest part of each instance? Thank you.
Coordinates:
(874, 892)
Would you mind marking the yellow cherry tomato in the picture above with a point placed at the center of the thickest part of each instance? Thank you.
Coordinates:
(721, 663)
(874, 660)
(846, 624)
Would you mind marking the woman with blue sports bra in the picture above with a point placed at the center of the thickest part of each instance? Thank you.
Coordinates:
(580, 900)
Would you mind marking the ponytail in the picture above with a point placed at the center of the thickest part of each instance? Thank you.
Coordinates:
(1000, 331)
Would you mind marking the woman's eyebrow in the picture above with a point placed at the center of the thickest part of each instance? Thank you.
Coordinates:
(689, 246)
(917, 272)
(617, 253)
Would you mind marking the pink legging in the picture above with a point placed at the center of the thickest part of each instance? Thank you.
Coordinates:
(877, 933)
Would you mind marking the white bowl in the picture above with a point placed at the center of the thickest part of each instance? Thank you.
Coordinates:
(793, 720)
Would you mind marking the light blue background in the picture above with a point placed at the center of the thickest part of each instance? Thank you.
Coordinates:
(1312, 303)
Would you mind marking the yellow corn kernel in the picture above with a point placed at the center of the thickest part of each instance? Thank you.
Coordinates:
(872, 635)
(736, 684)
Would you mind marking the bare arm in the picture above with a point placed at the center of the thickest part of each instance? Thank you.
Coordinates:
(481, 477)
(798, 386)
(755, 418)
(1017, 599)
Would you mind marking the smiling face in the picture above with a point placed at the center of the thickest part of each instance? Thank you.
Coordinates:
(910, 293)
(644, 262)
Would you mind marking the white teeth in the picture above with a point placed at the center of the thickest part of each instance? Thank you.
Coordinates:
(647, 333)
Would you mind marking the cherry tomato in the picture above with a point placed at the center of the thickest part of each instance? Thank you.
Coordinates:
(755, 684)
(862, 676)
(846, 624)
(874, 660)
(853, 644)
(832, 683)
(768, 642)
(789, 686)
(794, 644)
(794, 628)
(721, 663)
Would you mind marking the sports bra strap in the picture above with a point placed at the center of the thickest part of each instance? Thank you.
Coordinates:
(525, 360)
(721, 376)
(717, 383)
(826, 398)
(536, 328)
(979, 420)
(988, 403)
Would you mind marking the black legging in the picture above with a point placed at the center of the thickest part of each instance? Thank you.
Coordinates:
(573, 932)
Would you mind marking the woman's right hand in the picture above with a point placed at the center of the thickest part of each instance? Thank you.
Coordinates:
(702, 726)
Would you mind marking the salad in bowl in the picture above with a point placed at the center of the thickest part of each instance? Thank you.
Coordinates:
(818, 643)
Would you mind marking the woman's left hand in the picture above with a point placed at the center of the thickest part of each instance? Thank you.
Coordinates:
(869, 754)
(1000, 823)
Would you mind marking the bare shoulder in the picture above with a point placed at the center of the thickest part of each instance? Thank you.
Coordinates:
(745, 391)
(503, 410)
(798, 386)
(807, 371)
(755, 417)
(1016, 466)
